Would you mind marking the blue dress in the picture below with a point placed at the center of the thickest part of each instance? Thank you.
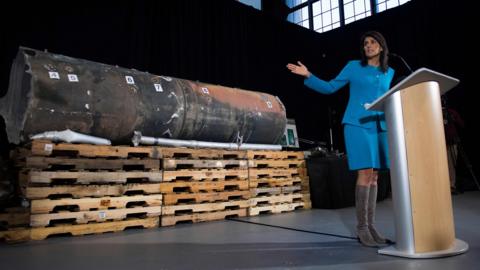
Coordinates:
(364, 131)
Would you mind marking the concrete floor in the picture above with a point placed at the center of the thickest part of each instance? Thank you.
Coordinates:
(240, 245)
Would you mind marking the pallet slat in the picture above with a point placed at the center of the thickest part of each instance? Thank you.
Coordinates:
(175, 198)
(47, 148)
(273, 163)
(254, 192)
(291, 189)
(200, 217)
(15, 235)
(201, 153)
(43, 220)
(169, 210)
(255, 173)
(91, 228)
(173, 164)
(193, 187)
(85, 204)
(259, 154)
(271, 182)
(274, 209)
(198, 175)
(13, 219)
(79, 191)
(47, 177)
(276, 199)
(91, 163)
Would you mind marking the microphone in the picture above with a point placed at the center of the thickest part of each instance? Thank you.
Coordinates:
(394, 55)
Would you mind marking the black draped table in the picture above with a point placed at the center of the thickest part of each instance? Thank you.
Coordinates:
(332, 184)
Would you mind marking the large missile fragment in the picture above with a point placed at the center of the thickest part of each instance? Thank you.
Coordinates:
(49, 92)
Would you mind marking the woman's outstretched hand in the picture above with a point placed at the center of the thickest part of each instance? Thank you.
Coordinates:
(299, 70)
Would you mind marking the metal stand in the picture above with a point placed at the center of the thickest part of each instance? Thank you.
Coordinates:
(458, 142)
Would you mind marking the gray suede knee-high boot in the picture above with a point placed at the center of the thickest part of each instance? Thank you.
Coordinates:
(361, 203)
(372, 204)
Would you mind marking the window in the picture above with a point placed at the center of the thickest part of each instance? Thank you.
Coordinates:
(383, 5)
(294, 3)
(356, 10)
(325, 15)
(300, 17)
(253, 3)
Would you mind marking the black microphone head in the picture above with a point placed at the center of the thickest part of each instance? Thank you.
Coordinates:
(392, 54)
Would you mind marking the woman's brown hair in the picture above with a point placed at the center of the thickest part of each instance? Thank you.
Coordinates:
(383, 54)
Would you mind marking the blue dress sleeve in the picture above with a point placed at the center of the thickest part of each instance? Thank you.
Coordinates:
(329, 87)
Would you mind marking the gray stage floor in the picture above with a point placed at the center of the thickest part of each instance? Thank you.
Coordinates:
(241, 245)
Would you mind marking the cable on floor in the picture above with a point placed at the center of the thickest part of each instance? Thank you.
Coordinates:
(293, 229)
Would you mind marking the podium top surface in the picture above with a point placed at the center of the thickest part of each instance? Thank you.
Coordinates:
(420, 75)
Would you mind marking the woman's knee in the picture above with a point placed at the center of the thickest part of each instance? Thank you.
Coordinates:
(363, 177)
(373, 177)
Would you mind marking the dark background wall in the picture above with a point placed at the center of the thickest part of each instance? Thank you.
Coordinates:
(227, 43)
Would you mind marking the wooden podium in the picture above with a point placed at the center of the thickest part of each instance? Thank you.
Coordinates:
(418, 167)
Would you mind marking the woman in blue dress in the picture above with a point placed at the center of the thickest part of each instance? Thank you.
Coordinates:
(364, 131)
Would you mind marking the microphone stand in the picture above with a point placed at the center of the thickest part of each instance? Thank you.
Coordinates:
(461, 151)
(330, 128)
(403, 61)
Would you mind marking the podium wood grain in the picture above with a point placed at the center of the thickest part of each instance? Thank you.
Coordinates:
(428, 168)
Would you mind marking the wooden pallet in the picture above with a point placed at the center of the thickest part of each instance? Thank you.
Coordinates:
(47, 177)
(274, 209)
(291, 189)
(255, 173)
(254, 154)
(83, 217)
(305, 184)
(203, 186)
(270, 182)
(305, 181)
(18, 155)
(297, 181)
(79, 191)
(26, 234)
(200, 217)
(177, 164)
(303, 172)
(176, 198)
(86, 204)
(254, 192)
(94, 228)
(13, 217)
(47, 148)
(15, 235)
(273, 163)
(188, 153)
(61, 163)
(307, 205)
(182, 209)
(305, 196)
(276, 199)
(200, 175)
(306, 200)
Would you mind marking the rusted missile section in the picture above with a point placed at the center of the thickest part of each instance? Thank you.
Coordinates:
(53, 92)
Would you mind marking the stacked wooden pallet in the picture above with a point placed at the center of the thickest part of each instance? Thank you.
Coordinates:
(83, 189)
(276, 179)
(203, 184)
(305, 187)
(13, 224)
